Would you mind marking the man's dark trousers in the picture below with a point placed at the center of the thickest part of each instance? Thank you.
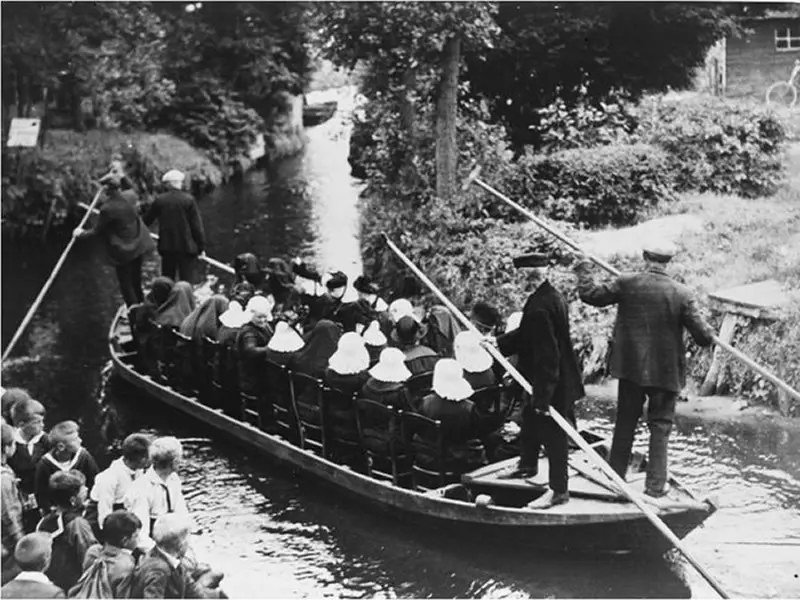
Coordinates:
(130, 281)
(537, 430)
(660, 417)
(178, 266)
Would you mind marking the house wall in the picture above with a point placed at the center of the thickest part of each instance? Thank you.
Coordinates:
(753, 64)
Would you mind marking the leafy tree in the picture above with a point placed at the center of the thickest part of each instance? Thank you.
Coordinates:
(550, 51)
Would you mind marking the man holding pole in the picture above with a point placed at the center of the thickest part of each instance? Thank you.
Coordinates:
(547, 360)
(180, 228)
(647, 354)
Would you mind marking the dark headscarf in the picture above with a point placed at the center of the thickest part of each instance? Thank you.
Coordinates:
(178, 305)
(312, 358)
(204, 320)
(442, 331)
(281, 278)
(160, 290)
(247, 269)
(242, 292)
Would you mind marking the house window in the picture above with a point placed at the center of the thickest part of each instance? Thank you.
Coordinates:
(787, 39)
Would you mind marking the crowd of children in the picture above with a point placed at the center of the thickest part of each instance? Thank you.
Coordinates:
(69, 529)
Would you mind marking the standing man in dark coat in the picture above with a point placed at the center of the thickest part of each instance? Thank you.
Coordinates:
(548, 361)
(124, 235)
(647, 355)
(180, 229)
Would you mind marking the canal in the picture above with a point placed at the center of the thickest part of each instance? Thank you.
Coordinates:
(276, 534)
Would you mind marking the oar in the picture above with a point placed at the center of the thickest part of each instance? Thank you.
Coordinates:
(591, 454)
(211, 261)
(473, 178)
(35, 306)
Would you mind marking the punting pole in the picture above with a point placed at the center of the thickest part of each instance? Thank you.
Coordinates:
(211, 261)
(565, 425)
(35, 306)
(473, 178)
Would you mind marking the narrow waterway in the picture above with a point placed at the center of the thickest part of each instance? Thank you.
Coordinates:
(277, 534)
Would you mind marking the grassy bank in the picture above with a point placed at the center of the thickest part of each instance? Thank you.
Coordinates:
(43, 185)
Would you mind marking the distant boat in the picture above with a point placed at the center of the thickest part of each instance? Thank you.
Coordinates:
(314, 114)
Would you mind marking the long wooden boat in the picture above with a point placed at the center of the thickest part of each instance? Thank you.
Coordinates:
(595, 520)
(314, 114)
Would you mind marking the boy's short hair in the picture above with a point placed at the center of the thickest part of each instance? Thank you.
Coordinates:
(24, 410)
(64, 486)
(10, 398)
(164, 451)
(33, 551)
(7, 435)
(119, 525)
(61, 431)
(136, 447)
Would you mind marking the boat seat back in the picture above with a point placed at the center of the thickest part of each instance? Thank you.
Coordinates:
(381, 438)
(424, 439)
(211, 390)
(419, 385)
(306, 393)
(278, 391)
(487, 399)
(341, 427)
(178, 361)
(250, 409)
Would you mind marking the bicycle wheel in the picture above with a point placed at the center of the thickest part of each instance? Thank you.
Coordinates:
(782, 93)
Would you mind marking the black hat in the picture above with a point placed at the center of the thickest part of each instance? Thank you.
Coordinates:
(365, 285)
(337, 280)
(485, 315)
(532, 259)
(408, 330)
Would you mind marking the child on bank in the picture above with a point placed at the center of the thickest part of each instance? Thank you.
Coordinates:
(27, 416)
(66, 454)
(11, 506)
(121, 532)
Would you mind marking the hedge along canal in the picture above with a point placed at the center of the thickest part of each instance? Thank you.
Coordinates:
(277, 535)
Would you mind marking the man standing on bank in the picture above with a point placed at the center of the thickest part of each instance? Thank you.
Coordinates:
(180, 229)
(647, 355)
(125, 237)
(548, 361)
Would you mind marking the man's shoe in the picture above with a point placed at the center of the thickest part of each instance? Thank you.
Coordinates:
(521, 472)
(548, 500)
(653, 494)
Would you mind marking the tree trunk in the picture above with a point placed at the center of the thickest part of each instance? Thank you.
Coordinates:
(446, 119)
(408, 118)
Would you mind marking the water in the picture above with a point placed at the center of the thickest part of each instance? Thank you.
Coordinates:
(277, 534)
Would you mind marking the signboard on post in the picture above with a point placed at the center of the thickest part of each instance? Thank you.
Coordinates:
(23, 133)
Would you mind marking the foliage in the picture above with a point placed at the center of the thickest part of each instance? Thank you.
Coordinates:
(547, 51)
(61, 174)
(717, 146)
(614, 184)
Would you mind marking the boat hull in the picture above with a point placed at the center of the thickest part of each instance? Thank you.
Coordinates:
(620, 528)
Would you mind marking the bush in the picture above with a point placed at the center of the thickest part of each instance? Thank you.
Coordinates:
(717, 146)
(610, 184)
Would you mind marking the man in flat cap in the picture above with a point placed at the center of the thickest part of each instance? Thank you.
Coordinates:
(180, 229)
(32, 554)
(647, 354)
(548, 361)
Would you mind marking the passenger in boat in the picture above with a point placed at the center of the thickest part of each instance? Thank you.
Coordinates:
(163, 572)
(66, 453)
(486, 318)
(375, 341)
(72, 534)
(386, 383)
(180, 228)
(313, 358)
(251, 343)
(280, 283)
(33, 554)
(648, 355)
(476, 362)
(548, 361)
(368, 291)
(284, 343)
(442, 331)
(121, 530)
(398, 309)
(407, 335)
(178, 305)
(32, 443)
(461, 424)
(11, 505)
(203, 322)
(112, 485)
(125, 237)
(355, 316)
(347, 368)
(247, 269)
(327, 305)
(158, 491)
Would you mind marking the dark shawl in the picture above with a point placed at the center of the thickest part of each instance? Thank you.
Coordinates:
(203, 321)
(178, 306)
(312, 359)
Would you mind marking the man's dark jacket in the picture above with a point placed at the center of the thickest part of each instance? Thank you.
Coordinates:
(121, 229)
(180, 228)
(544, 347)
(652, 310)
